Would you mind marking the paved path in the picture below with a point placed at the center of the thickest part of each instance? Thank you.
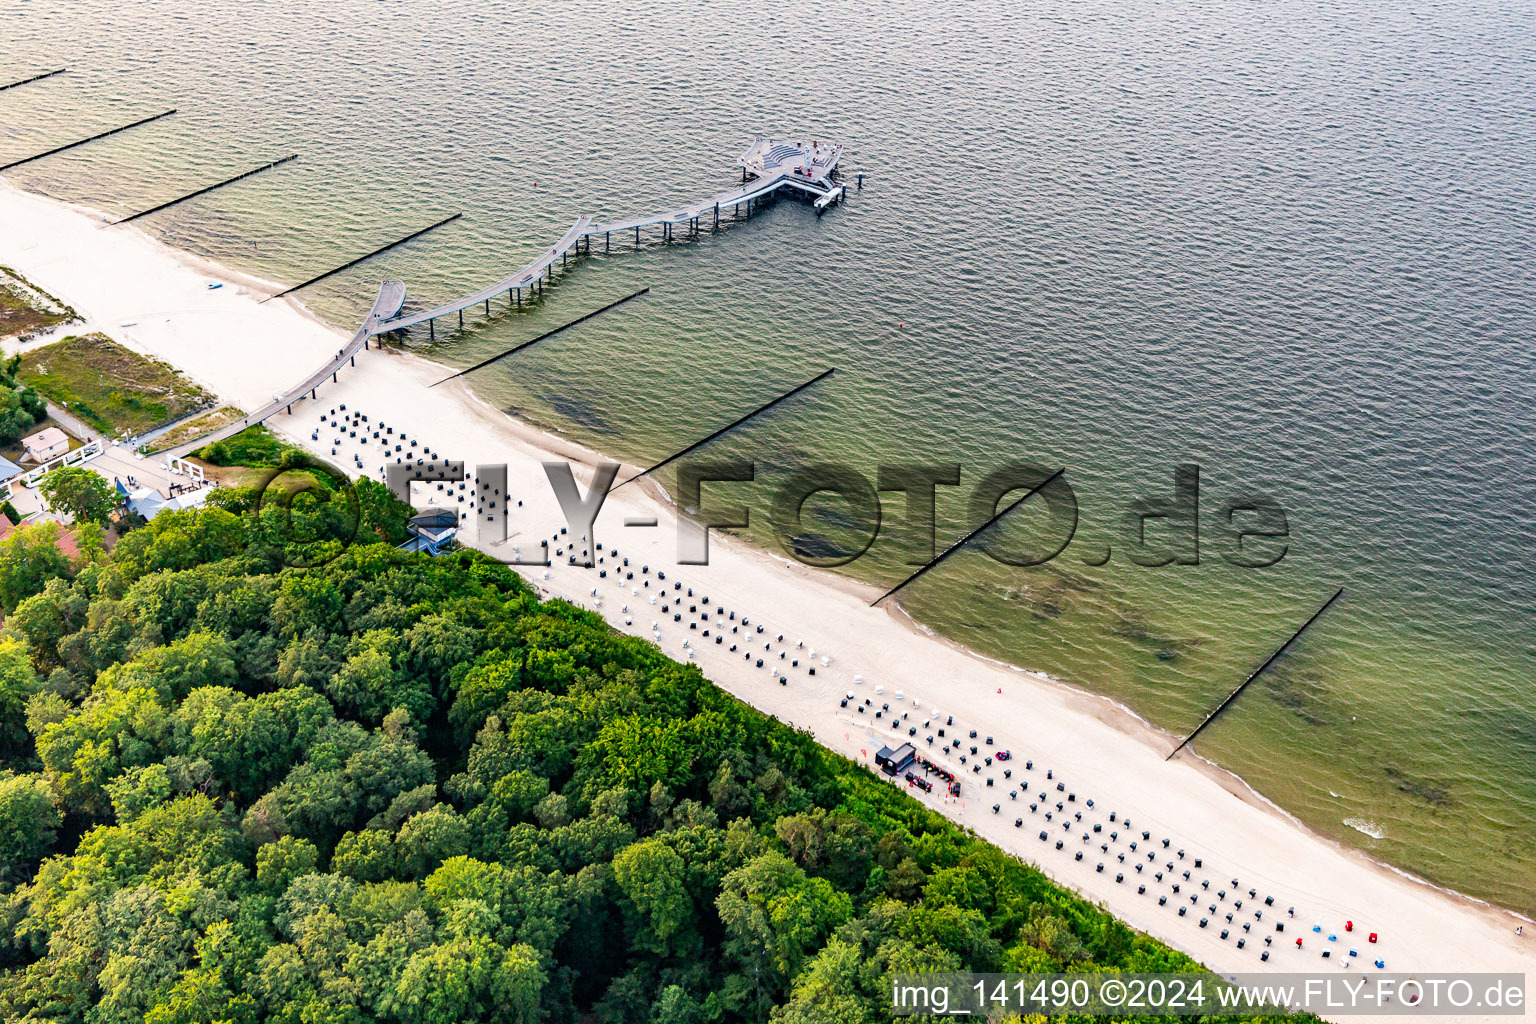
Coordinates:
(72, 424)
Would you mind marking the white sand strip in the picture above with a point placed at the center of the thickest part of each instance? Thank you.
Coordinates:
(245, 352)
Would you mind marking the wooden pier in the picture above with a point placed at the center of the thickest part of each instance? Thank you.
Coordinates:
(527, 277)
(768, 166)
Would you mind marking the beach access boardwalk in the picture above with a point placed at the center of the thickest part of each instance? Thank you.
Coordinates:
(767, 166)
(390, 298)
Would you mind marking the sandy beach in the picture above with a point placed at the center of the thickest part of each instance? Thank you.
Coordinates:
(156, 301)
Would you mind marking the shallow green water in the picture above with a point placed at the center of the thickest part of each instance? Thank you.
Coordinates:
(1295, 250)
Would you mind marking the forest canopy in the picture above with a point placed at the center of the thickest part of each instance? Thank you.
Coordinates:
(397, 788)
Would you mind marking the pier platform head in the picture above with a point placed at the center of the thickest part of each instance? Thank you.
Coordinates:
(806, 159)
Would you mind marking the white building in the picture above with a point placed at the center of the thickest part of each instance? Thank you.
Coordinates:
(48, 443)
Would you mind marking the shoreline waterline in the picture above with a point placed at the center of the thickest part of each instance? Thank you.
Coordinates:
(398, 373)
(1116, 238)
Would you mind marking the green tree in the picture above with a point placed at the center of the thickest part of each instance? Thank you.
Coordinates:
(384, 516)
(48, 617)
(839, 986)
(367, 856)
(79, 492)
(196, 660)
(17, 685)
(654, 881)
(775, 916)
(429, 838)
(676, 1006)
(436, 644)
(138, 789)
(115, 729)
(21, 409)
(27, 823)
(835, 845)
(29, 558)
(368, 686)
(279, 863)
(90, 543)
(483, 690)
(472, 979)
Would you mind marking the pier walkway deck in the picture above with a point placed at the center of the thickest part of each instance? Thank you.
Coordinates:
(521, 279)
(771, 163)
(767, 166)
(745, 193)
(585, 228)
(391, 297)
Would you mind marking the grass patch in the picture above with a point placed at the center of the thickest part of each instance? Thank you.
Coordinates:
(195, 428)
(255, 447)
(26, 309)
(111, 388)
(290, 481)
(248, 458)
